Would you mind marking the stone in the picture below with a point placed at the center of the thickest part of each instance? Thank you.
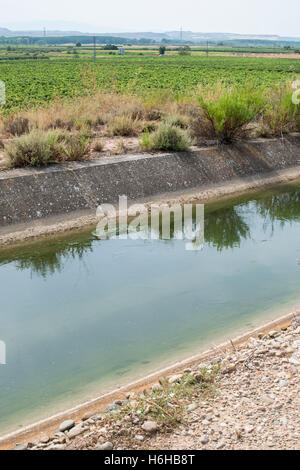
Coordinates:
(220, 445)
(112, 407)
(192, 407)
(249, 429)
(87, 416)
(282, 383)
(274, 334)
(56, 447)
(66, 425)
(118, 402)
(139, 438)
(175, 379)
(105, 446)
(76, 431)
(204, 439)
(150, 426)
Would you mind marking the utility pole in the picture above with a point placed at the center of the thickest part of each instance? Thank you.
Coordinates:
(94, 48)
(181, 34)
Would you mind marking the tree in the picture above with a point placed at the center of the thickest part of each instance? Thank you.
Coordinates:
(78, 44)
(185, 50)
(162, 50)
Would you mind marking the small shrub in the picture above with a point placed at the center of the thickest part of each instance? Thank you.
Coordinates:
(125, 126)
(17, 126)
(120, 148)
(76, 147)
(227, 111)
(281, 114)
(178, 120)
(166, 138)
(98, 146)
(40, 148)
(34, 149)
(154, 114)
(149, 126)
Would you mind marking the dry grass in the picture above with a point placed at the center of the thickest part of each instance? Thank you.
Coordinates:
(162, 122)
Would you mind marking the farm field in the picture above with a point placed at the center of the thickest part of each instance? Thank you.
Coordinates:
(36, 82)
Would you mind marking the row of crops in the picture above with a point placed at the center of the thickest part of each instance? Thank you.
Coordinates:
(34, 82)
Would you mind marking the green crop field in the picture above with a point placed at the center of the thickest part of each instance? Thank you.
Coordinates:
(36, 82)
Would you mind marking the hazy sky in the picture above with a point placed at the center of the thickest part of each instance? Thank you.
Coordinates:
(235, 16)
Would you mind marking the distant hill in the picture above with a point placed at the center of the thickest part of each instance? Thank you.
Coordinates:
(164, 36)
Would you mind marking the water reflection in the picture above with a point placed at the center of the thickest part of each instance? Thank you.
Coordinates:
(225, 228)
(45, 259)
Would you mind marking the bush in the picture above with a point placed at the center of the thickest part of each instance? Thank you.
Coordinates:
(178, 120)
(40, 148)
(76, 147)
(227, 111)
(17, 126)
(166, 138)
(35, 149)
(98, 146)
(281, 114)
(125, 126)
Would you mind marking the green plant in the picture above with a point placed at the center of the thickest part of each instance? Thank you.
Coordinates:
(167, 403)
(229, 110)
(76, 147)
(281, 114)
(167, 138)
(178, 120)
(125, 126)
(34, 149)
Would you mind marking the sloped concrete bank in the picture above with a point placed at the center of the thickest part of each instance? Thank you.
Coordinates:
(30, 195)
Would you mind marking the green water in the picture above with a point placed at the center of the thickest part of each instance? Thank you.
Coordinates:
(79, 315)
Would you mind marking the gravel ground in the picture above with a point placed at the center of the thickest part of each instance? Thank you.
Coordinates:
(255, 405)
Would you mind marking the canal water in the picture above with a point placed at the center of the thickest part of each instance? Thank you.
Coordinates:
(80, 316)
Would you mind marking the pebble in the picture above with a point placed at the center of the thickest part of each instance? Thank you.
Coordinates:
(66, 425)
(106, 446)
(150, 426)
(204, 439)
(192, 407)
(76, 431)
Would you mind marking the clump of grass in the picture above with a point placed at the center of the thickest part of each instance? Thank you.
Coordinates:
(167, 405)
(166, 138)
(17, 126)
(76, 147)
(281, 114)
(34, 149)
(228, 111)
(120, 148)
(153, 114)
(181, 121)
(39, 148)
(125, 126)
(98, 146)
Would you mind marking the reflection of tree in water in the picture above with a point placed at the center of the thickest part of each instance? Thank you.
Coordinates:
(282, 207)
(225, 228)
(45, 258)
